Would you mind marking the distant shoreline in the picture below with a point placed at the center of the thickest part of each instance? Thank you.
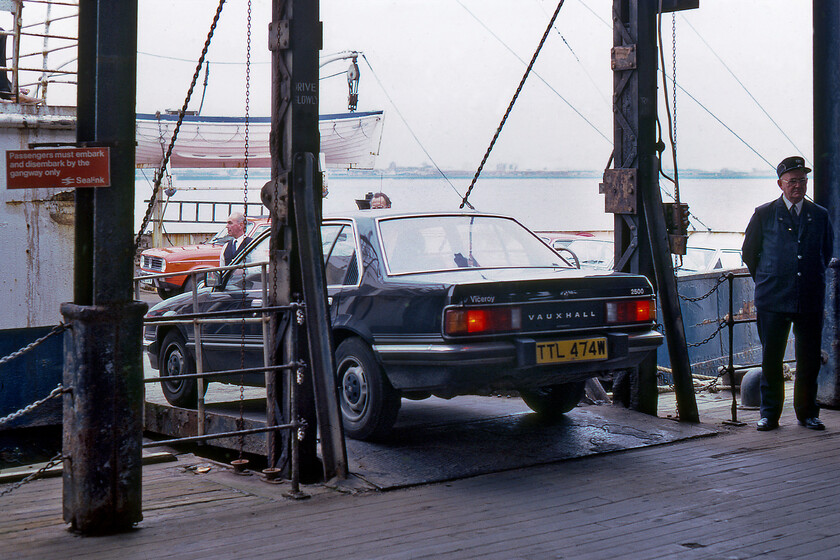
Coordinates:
(431, 173)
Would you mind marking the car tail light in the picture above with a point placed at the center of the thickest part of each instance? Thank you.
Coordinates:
(631, 311)
(482, 320)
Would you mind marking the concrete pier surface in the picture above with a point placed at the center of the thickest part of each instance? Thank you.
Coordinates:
(719, 492)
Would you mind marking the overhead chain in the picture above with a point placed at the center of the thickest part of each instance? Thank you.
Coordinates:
(59, 389)
(721, 279)
(181, 113)
(50, 464)
(465, 201)
(61, 327)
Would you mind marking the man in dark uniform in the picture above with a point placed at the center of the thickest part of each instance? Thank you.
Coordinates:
(236, 226)
(787, 247)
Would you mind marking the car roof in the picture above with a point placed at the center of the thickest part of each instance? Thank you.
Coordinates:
(364, 215)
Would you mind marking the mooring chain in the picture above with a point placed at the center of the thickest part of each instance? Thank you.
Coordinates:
(464, 202)
(723, 278)
(61, 327)
(50, 464)
(721, 325)
(59, 390)
(181, 113)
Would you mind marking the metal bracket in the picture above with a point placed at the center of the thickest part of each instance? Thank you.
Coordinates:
(276, 199)
(278, 35)
(623, 58)
(619, 190)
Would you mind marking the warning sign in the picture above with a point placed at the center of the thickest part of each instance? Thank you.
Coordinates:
(65, 167)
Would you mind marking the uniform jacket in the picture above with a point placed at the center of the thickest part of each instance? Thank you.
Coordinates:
(788, 265)
(228, 253)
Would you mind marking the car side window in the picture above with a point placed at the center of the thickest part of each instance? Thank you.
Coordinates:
(250, 278)
(339, 249)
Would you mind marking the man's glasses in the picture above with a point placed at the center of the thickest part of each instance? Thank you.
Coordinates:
(803, 181)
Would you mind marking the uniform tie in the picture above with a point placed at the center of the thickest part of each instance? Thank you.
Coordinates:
(795, 215)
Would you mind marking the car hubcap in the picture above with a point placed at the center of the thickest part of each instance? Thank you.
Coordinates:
(354, 390)
(175, 366)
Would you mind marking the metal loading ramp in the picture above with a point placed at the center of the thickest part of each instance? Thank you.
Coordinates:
(437, 440)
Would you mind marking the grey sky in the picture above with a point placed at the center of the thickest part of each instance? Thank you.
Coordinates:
(452, 79)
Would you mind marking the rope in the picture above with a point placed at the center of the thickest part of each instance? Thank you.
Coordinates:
(512, 101)
(744, 87)
(181, 113)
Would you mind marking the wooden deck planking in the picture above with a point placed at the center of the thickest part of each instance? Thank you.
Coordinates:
(737, 495)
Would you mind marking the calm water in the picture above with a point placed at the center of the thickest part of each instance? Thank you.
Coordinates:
(543, 204)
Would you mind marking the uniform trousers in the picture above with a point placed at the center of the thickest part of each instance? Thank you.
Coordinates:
(773, 330)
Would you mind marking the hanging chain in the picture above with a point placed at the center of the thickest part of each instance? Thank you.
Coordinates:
(464, 202)
(241, 422)
(61, 327)
(720, 327)
(247, 108)
(52, 462)
(674, 103)
(181, 113)
(59, 390)
(721, 279)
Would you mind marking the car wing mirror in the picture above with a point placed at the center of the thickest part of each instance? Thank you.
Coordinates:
(213, 279)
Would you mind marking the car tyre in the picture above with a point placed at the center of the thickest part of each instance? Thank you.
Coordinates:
(554, 400)
(175, 360)
(369, 404)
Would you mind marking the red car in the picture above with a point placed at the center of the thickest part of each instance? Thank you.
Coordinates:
(188, 258)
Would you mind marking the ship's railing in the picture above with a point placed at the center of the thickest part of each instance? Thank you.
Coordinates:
(204, 211)
(50, 29)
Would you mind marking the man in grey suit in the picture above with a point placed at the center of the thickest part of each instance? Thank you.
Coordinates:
(787, 247)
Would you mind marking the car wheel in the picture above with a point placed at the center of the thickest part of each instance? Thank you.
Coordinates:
(369, 404)
(175, 360)
(555, 400)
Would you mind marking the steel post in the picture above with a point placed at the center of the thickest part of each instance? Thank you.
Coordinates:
(826, 57)
(102, 426)
(103, 353)
(632, 188)
(321, 360)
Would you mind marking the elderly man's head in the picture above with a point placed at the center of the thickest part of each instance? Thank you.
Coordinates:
(380, 200)
(236, 224)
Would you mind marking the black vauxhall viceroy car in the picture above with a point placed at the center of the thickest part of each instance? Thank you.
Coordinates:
(433, 304)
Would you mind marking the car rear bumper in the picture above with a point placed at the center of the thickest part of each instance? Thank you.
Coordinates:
(458, 368)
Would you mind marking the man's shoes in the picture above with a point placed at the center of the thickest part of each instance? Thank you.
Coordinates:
(812, 423)
(765, 425)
